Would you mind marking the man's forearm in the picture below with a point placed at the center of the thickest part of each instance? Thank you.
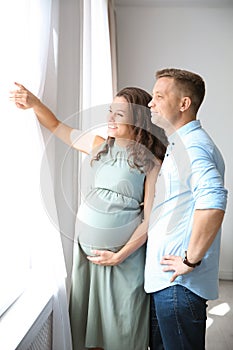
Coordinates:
(206, 225)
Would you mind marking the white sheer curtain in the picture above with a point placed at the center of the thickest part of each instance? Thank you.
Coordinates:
(97, 81)
(28, 236)
(29, 31)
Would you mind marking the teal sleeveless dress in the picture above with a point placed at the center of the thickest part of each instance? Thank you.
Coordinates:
(108, 305)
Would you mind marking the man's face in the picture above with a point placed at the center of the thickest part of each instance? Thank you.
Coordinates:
(165, 104)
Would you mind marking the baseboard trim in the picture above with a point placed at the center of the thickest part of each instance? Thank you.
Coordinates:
(226, 275)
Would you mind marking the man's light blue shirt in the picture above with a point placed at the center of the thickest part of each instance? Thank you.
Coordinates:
(191, 177)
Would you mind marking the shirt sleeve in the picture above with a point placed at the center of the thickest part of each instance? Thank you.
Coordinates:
(207, 177)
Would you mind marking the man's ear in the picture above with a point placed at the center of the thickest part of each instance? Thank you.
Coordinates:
(185, 103)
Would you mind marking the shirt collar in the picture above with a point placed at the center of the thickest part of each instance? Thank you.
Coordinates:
(185, 129)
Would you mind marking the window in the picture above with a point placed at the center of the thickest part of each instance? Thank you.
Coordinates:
(23, 218)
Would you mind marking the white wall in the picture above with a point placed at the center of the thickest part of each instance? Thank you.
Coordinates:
(192, 35)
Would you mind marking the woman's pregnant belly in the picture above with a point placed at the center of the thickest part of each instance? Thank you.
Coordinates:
(106, 220)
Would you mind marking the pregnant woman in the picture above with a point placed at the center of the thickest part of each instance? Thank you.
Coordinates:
(108, 306)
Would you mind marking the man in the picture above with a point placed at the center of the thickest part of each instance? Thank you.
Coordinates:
(182, 262)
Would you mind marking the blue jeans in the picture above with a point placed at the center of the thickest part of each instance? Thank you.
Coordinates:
(178, 320)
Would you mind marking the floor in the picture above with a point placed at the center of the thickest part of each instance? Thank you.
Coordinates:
(219, 334)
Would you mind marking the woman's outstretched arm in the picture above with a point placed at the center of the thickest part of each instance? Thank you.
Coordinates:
(24, 99)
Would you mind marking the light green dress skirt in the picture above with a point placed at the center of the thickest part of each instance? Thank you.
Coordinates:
(108, 305)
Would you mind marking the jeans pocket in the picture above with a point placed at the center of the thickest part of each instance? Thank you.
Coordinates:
(197, 305)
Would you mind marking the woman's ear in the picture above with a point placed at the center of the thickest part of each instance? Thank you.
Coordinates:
(185, 103)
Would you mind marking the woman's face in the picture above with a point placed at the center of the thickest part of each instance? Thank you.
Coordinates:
(119, 119)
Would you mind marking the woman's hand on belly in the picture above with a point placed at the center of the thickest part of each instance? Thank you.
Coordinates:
(104, 258)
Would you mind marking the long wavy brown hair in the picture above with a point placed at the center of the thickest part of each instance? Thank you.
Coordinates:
(149, 141)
